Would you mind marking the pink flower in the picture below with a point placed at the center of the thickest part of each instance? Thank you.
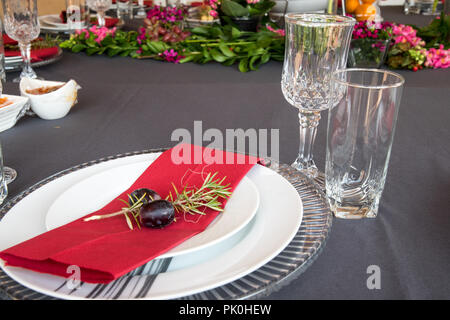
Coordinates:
(438, 58)
(213, 13)
(405, 34)
(280, 32)
(171, 56)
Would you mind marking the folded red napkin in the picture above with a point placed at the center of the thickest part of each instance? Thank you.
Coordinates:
(36, 55)
(8, 40)
(107, 249)
(109, 22)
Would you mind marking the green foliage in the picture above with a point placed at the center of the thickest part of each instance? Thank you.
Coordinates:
(240, 8)
(233, 9)
(437, 32)
(123, 44)
(223, 44)
(403, 56)
(227, 45)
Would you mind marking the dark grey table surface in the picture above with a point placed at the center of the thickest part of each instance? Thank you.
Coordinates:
(129, 105)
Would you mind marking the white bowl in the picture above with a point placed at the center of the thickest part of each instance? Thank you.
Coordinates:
(13, 112)
(53, 105)
(300, 6)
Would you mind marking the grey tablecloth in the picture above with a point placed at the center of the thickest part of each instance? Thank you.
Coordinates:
(128, 105)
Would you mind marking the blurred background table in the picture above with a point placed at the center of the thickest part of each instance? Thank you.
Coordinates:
(128, 105)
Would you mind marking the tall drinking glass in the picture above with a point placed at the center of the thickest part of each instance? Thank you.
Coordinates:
(360, 133)
(101, 6)
(7, 174)
(77, 14)
(21, 24)
(316, 46)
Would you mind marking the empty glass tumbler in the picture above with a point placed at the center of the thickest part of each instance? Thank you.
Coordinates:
(361, 129)
(77, 13)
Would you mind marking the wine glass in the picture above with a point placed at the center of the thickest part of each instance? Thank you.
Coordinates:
(21, 24)
(316, 46)
(9, 174)
(101, 6)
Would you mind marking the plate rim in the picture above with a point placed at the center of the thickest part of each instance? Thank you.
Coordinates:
(298, 263)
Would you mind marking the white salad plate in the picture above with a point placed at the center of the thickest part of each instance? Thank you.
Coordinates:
(275, 224)
(79, 201)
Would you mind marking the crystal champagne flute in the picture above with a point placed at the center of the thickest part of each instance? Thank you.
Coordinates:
(21, 24)
(101, 6)
(316, 46)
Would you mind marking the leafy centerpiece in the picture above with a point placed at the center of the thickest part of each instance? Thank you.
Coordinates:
(162, 37)
(245, 14)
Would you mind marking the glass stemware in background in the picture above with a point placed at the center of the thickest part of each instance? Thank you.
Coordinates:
(21, 24)
(77, 13)
(100, 6)
(141, 14)
(316, 46)
(7, 174)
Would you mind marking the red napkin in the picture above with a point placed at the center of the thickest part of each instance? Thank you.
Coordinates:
(107, 249)
(36, 55)
(8, 40)
(109, 22)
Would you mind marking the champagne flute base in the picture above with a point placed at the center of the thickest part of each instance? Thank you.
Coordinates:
(308, 168)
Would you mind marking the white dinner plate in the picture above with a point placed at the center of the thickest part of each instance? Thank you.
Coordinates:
(53, 20)
(78, 201)
(275, 224)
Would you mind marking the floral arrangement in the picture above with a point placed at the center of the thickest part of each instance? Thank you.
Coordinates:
(369, 43)
(213, 5)
(166, 15)
(98, 34)
(223, 44)
(163, 38)
(163, 24)
(411, 52)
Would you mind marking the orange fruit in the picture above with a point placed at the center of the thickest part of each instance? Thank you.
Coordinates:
(368, 1)
(351, 5)
(365, 11)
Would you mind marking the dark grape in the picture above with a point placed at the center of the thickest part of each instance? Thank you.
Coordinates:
(157, 214)
(149, 195)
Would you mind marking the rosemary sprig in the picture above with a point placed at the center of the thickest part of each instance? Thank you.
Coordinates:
(132, 209)
(191, 200)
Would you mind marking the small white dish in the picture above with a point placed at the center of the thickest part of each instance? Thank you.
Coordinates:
(11, 113)
(52, 105)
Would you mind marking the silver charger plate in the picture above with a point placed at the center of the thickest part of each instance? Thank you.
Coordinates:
(15, 64)
(300, 253)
